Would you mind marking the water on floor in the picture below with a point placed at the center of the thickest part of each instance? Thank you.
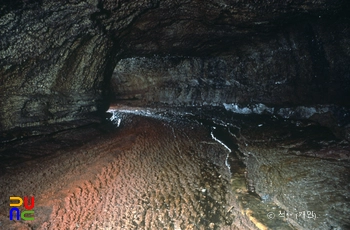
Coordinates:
(141, 170)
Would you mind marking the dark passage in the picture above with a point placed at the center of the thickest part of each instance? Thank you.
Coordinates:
(175, 114)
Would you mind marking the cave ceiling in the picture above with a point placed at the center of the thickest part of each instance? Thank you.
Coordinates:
(268, 80)
(57, 57)
(204, 28)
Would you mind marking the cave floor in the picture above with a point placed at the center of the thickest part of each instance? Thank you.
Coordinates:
(152, 171)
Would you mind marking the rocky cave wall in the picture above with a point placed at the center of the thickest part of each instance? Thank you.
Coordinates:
(306, 65)
(65, 60)
(57, 57)
(300, 72)
(53, 62)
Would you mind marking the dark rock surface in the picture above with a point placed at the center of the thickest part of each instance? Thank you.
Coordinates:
(293, 166)
(303, 169)
(280, 73)
(56, 58)
(278, 77)
(156, 168)
(274, 62)
(53, 60)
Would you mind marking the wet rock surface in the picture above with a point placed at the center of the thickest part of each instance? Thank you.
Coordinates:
(302, 169)
(296, 167)
(157, 168)
(272, 62)
(146, 174)
(57, 58)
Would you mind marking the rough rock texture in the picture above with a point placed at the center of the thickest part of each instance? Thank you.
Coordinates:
(56, 62)
(53, 60)
(280, 72)
(170, 171)
(146, 174)
(276, 66)
(292, 75)
(56, 57)
(294, 166)
(197, 27)
(303, 169)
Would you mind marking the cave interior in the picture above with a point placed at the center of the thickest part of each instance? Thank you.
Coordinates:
(230, 114)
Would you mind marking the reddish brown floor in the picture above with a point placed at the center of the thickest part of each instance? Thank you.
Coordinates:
(147, 174)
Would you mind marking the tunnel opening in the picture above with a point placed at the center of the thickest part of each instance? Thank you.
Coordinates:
(267, 137)
(175, 115)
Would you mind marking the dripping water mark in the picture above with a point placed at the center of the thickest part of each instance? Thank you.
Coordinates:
(220, 142)
(116, 120)
(224, 136)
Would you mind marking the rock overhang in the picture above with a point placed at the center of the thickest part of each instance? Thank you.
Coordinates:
(65, 48)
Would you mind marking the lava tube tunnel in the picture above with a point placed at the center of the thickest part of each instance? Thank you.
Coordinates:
(174, 115)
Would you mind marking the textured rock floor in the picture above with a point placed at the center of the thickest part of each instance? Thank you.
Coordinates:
(147, 174)
(166, 171)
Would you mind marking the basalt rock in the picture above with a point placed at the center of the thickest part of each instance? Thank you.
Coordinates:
(290, 69)
(63, 61)
(53, 62)
(299, 73)
(57, 57)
